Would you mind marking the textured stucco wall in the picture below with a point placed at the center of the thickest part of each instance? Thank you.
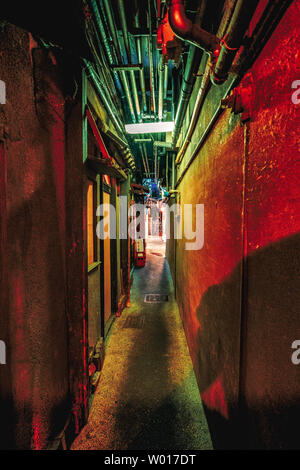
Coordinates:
(250, 389)
(38, 312)
(270, 382)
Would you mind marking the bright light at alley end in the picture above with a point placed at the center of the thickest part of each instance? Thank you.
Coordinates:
(150, 127)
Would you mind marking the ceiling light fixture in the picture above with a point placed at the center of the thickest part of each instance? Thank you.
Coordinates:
(150, 127)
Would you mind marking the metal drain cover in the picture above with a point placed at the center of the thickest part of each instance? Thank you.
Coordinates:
(156, 298)
(136, 322)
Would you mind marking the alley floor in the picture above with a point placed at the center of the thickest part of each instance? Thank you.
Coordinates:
(147, 397)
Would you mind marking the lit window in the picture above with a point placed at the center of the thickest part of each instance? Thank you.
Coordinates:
(91, 223)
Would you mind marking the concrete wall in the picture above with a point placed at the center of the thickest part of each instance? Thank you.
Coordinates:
(42, 250)
(241, 315)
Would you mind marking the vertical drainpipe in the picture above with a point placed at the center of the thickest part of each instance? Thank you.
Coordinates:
(142, 75)
(166, 79)
(143, 158)
(167, 170)
(84, 117)
(144, 152)
(146, 159)
(129, 246)
(161, 72)
(173, 171)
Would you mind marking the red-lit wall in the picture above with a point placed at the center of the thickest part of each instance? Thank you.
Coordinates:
(241, 317)
(42, 319)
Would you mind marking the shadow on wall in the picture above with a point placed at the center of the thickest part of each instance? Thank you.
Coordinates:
(251, 394)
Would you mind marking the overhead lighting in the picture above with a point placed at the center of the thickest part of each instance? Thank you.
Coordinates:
(150, 127)
(143, 140)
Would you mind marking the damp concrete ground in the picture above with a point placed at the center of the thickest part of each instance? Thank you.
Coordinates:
(147, 397)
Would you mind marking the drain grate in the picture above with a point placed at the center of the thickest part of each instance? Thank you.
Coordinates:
(156, 298)
(135, 322)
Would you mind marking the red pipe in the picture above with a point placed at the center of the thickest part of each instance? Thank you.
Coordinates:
(186, 30)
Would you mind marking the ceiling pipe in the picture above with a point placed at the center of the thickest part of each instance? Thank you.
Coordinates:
(143, 158)
(165, 145)
(103, 67)
(176, 73)
(104, 97)
(129, 159)
(188, 31)
(205, 71)
(205, 83)
(101, 30)
(270, 18)
(123, 76)
(233, 39)
(231, 84)
(207, 80)
(127, 67)
(128, 54)
(104, 50)
(151, 63)
(191, 69)
(109, 107)
(128, 95)
(161, 75)
(146, 159)
(142, 74)
(140, 56)
(166, 80)
(189, 79)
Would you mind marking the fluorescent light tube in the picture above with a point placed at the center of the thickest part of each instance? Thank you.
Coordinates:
(150, 127)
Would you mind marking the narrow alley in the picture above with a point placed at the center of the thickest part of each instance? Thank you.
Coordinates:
(148, 396)
(149, 227)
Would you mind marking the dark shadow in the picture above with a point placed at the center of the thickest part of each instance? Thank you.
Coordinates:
(250, 389)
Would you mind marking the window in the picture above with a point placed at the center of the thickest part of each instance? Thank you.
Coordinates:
(91, 223)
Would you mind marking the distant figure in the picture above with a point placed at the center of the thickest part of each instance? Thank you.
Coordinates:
(155, 191)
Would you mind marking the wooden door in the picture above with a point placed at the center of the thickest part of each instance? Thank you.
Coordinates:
(107, 265)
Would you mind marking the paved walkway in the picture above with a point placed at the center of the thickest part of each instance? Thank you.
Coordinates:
(147, 398)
